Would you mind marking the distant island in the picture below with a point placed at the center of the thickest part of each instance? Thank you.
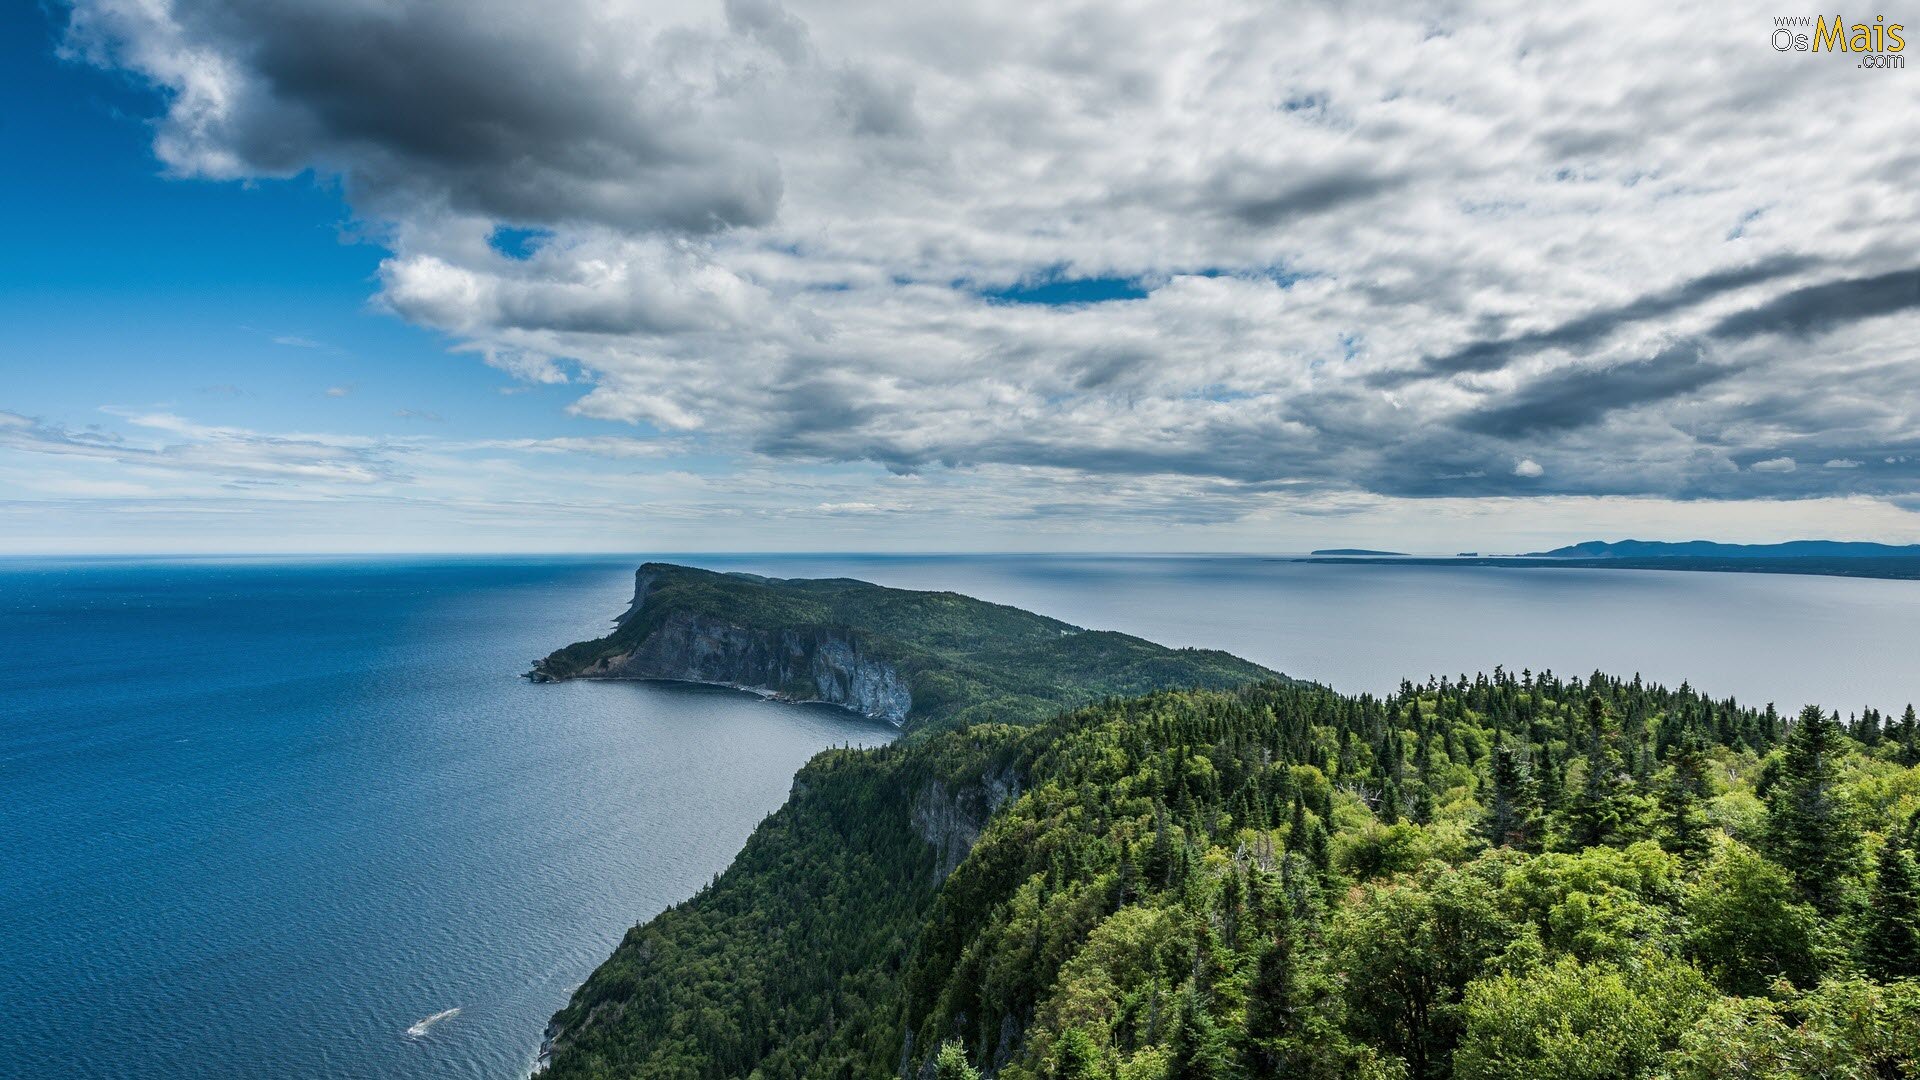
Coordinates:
(1826, 558)
(1356, 551)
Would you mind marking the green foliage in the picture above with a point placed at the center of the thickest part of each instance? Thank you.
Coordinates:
(1811, 825)
(1209, 884)
(1748, 928)
(1682, 791)
(1408, 950)
(1848, 1029)
(1609, 808)
(1513, 805)
(951, 1063)
(1597, 904)
(966, 661)
(1892, 940)
(1575, 1021)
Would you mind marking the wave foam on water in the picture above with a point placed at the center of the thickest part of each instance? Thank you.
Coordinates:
(420, 1028)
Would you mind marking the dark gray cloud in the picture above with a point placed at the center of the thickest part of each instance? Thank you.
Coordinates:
(1263, 197)
(816, 415)
(1586, 331)
(1817, 309)
(1107, 366)
(1574, 397)
(762, 223)
(498, 109)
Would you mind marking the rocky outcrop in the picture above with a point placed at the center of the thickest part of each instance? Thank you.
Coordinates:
(824, 664)
(951, 821)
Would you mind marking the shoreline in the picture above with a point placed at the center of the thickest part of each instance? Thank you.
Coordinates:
(1889, 568)
(760, 692)
(543, 1060)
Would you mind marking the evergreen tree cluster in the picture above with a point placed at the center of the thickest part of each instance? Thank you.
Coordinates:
(1504, 875)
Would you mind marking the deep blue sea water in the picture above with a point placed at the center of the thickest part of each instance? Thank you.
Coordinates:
(259, 817)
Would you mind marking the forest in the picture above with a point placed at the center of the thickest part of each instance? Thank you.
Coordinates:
(1509, 875)
(966, 660)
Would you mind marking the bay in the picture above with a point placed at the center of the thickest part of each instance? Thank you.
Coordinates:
(261, 817)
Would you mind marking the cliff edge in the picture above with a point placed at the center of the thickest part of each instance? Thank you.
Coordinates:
(911, 658)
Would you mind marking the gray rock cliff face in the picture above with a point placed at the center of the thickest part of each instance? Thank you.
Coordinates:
(951, 821)
(794, 664)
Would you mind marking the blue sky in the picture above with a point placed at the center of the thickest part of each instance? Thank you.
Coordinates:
(300, 276)
(159, 290)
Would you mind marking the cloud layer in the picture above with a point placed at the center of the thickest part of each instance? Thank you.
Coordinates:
(1447, 251)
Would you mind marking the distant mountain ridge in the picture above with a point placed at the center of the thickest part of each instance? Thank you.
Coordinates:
(1708, 549)
(1353, 551)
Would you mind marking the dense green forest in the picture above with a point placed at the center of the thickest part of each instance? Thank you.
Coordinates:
(1512, 875)
(966, 660)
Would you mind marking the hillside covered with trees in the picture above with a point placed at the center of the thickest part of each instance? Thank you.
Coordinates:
(1509, 875)
(962, 660)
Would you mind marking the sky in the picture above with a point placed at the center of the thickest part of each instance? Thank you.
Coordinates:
(599, 275)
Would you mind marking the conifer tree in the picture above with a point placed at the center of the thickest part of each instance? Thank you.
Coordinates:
(1909, 739)
(1318, 848)
(1272, 1004)
(1606, 810)
(1552, 777)
(1683, 792)
(1811, 828)
(1891, 944)
(1513, 813)
(1199, 1048)
(1868, 731)
(1423, 806)
(1160, 857)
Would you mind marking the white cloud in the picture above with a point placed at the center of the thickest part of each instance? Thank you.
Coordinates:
(235, 454)
(606, 446)
(1383, 250)
(862, 508)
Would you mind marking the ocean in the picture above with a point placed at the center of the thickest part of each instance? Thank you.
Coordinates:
(302, 818)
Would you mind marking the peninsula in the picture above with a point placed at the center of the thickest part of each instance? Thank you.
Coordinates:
(915, 659)
(1507, 876)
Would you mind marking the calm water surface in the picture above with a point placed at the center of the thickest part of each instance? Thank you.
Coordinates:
(258, 818)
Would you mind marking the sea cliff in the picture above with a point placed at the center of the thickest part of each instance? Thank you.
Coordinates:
(820, 664)
(910, 658)
(1272, 880)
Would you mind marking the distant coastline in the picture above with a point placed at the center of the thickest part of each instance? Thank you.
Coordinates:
(1709, 549)
(1823, 558)
(1895, 567)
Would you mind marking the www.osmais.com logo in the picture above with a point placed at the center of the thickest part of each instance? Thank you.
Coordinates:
(1878, 44)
